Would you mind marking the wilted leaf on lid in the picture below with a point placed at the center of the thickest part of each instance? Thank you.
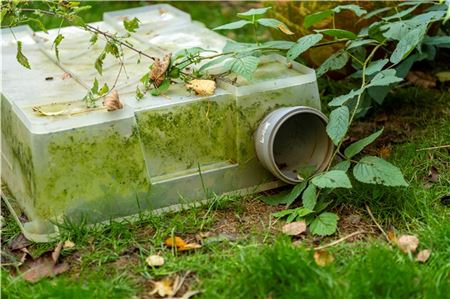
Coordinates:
(159, 69)
(423, 255)
(323, 258)
(155, 261)
(112, 101)
(408, 243)
(294, 228)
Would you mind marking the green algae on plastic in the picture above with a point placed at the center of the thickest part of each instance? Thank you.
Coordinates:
(180, 137)
(89, 166)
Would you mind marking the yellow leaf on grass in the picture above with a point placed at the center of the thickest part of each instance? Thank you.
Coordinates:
(423, 255)
(294, 228)
(323, 258)
(163, 287)
(408, 243)
(190, 246)
(155, 261)
(175, 242)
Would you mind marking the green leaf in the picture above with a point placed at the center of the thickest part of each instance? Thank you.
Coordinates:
(272, 23)
(384, 78)
(332, 179)
(338, 124)
(338, 33)
(20, 57)
(376, 12)
(162, 88)
(213, 62)
(303, 44)
(94, 88)
(234, 25)
(243, 66)
(295, 193)
(316, 17)
(343, 165)
(401, 13)
(359, 145)
(112, 48)
(278, 44)
(324, 225)
(374, 170)
(275, 199)
(76, 20)
(341, 100)
(375, 66)
(103, 90)
(93, 39)
(439, 41)
(336, 61)
(139, 94)
(39, 24)
(360, 42)
(378, 93)
(132, 25)
(56, 43)
(284, 213)
(99, 62)
(253, 13)
(309, 197)
(355, 8)
(306, 171)
(408, 43)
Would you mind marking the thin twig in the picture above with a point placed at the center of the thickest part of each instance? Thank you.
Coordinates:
(376, 223)
(433, 148)
(339, 240)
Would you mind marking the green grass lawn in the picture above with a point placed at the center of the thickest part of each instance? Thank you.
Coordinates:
(245, 255)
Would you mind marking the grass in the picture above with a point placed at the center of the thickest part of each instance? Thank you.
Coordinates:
(247, 257)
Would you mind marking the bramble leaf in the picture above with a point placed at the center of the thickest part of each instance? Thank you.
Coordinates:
(332, 179)
(324, 225)
(22, 59)
(162, 88)
(359, 145)
(374, 170)
(355, 8)
(384, 78)
(343, 165)
(309, 198)
(243, 66)
(99, 62)
(338, 124)
(341, 100)
(303, 44)
(408, 43)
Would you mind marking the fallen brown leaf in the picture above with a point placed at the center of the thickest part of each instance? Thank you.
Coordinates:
(385, 151)
(323, 258)
(433, 174)
(155, 261)
(202, 87)
(112, 101)
(421, 79)
(423, 255)
(392, 237)
(408, 243)
(19, 242)
(294, 228)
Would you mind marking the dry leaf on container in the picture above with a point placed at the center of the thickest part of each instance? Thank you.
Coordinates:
(294, 228)
(155, 261)
(423, 255)
(202, 87)
(112, 101)
(159, 69)
(408, 243)
(323, 258)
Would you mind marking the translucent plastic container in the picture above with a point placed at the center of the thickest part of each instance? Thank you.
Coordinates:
(156, 153)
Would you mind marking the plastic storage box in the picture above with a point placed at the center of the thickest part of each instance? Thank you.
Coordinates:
(158, 153)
